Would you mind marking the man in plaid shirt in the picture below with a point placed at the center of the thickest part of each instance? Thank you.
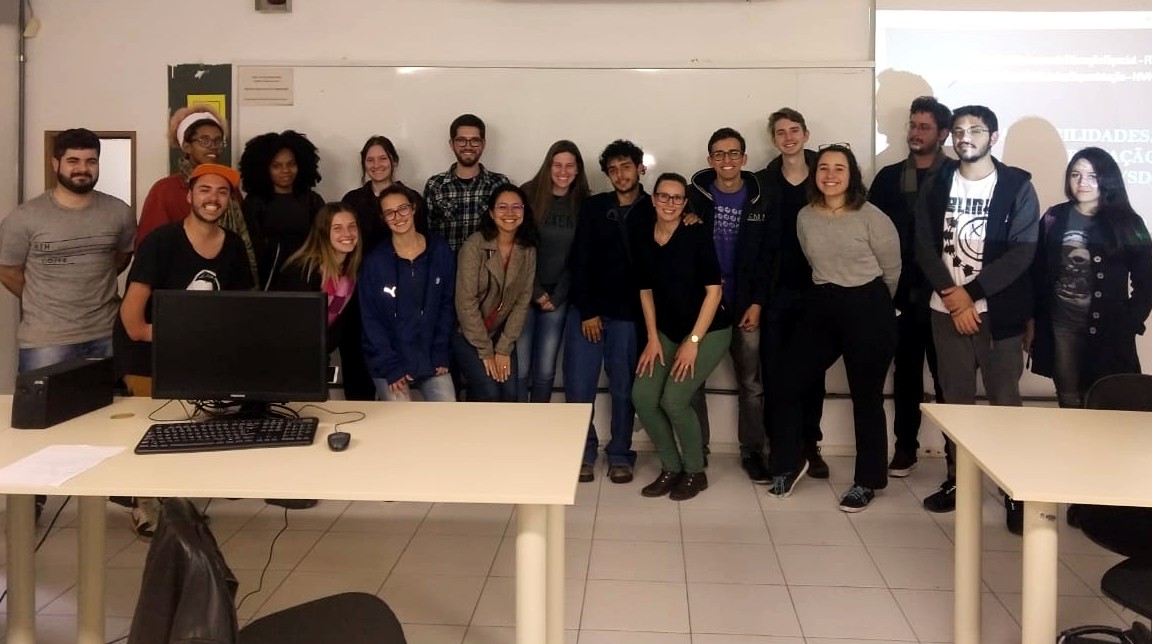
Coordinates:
(456, 198)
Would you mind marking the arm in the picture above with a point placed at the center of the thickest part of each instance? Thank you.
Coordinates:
(1139, 259)
(653, 351)
(468, 298)
(379, 355)
(15, 243)
(1006, 269)
(925, 229)
(884, 241)
(12, 277)
(132, 312)
(684, 364)
(518, 306)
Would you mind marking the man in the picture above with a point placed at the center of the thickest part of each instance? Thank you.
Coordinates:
(60, 254)
(728, 200)
(894, 190)
(976, 228)
(456, 198)
(784, 183)
(604, 305)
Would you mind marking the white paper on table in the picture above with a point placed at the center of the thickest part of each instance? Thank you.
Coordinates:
(55, 464)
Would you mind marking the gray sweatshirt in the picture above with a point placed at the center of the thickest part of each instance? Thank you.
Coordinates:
(851, 249)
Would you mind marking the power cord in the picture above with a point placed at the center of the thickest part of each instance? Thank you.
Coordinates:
(271, 549)
(44, 537)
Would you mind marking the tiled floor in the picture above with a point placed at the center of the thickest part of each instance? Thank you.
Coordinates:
(732, 566)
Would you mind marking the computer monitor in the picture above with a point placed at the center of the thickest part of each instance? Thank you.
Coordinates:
(239, 346)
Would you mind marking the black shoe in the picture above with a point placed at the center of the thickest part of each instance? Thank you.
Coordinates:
(902, 464)
(784, 484)
(689, 486)
(817, 466)
(1014, 515)
(293, 504)
(620, 474)
(856, 498)
(942, 500)
(662, 485)
(754, 467)
(587, 473)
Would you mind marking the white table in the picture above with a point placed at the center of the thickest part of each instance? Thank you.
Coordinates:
(527, 455)
(1041, 456)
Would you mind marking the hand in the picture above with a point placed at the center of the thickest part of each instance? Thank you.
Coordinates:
(967, 321)
(690, 219)
(751, 319)
(684, 366)
(503, 365)
(652, 352)
(592, 329)
(955, 299)
(1029, 336)
(545, 303)
(440, 371)
(400, 387)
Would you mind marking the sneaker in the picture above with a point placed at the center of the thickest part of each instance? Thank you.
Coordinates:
(662, 485)
(784, 484)
(754, 467)
(817, 466)
(689, 486)
(587, 473)
(902, 464)
(942, 500)
(856, 498)
(1014, 515)
(145, 517)
(620, 473)
(293, 504)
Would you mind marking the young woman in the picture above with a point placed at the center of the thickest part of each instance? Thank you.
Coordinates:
(1090, 248)
(854, 251)
(495, 274)
(378, 163)
(555, 194)
(689, 332)
(278, 171)
(407, 293)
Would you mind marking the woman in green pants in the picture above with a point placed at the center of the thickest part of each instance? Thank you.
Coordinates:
(688, 334)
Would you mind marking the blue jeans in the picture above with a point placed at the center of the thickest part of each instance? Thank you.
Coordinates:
(431, 388)
(36, 357)
(539, 344)
(478, 386)
(616, 352)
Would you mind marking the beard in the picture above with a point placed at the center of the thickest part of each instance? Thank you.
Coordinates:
(969, 155)
(77, 188)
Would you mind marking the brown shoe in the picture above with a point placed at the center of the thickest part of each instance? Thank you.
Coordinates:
(689, 486)
(587, 473)
(620, 473)
(662, 485)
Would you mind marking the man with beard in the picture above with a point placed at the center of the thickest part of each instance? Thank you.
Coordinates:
(894, 191)
(976, 228)
(456, 198)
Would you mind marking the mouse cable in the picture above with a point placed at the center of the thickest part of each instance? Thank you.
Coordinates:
(271, 548)
(359, 415)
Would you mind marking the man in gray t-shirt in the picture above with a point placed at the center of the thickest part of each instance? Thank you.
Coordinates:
(60, 254)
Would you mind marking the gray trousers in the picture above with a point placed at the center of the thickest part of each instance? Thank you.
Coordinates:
(745, 352)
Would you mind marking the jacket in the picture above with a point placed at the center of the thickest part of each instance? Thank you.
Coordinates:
(406, 333)
(292, 278)
(272, 248)
(486, 292)
(602, 282)
(757, 224)
(788, 267)
(889, 195)
(1009, 245)
(1115, 317)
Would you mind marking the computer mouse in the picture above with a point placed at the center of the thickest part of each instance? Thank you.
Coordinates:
(338, 441)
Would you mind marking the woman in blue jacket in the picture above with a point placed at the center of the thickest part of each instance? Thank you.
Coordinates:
(407, 290)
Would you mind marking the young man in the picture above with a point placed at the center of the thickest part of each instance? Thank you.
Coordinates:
(894, 190)
(456, 198)
(783, 182)
(604, 305)
(728, 200)
(976, 228)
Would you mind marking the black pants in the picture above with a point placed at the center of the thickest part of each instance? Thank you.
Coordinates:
(780, 320)
(358, 383)
(858, 324)
(913, 345)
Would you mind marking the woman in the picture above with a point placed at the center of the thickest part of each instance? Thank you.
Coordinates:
(278, 172)
(378, 163)
(689, 331)
(407, 292)
(556, 193)
(854, 251)
(1090, 248)
(495, 273)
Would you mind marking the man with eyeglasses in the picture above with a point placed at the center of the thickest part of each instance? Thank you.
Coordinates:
(976, 228)
(894, 191)
(728, 200)
(456, 198)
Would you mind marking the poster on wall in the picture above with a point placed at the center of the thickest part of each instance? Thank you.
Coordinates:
(194, 84)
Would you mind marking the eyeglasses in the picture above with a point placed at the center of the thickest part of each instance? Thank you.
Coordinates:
(465, 142)
(505, 208)
(677, 200)
(720, 155)
(399, 211)
(842, 144)
(209, 142)
(961, 132)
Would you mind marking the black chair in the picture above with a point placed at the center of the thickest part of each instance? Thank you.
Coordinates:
(1124, 530)
(188, 596)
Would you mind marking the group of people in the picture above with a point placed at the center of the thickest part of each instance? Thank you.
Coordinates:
(471, 289)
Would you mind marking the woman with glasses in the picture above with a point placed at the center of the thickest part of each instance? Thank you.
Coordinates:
(555, 194)
(495, 275)
(854, 251)
(689, 332)
(406, 293)
(1090, 248)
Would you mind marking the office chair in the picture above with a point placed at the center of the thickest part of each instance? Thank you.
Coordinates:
(1124, 530)
(188, 595)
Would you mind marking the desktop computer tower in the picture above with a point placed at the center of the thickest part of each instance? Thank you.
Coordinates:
(59, 392)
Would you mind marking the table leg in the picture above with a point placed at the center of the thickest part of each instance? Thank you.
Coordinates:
(555, 575)
(21, 532)
(531, 574)
(90, 582)
(969, 527)
(1040, 566)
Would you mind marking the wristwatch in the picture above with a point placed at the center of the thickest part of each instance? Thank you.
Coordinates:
(694, 339)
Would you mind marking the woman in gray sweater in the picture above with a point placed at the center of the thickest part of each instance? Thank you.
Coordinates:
(854, 251)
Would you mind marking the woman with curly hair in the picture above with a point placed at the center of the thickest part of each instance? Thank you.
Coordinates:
(278, 171)
(201, 134)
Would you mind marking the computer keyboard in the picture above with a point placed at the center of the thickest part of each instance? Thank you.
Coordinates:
(227, 433)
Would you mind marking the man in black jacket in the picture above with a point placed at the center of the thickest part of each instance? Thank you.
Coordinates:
(976, 229)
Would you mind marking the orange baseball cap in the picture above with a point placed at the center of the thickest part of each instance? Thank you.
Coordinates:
(229, 174)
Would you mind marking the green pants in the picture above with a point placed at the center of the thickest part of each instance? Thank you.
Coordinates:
(663, 405)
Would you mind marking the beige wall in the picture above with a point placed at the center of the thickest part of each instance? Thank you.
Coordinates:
(9, 16)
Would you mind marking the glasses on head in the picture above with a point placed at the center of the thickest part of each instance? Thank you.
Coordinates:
(505, 208)
(468, 142)
(720, 155)
(961, 132)
(676, 200)
(1086, 179)
(842, 144)
(210, 142)
(399, 211)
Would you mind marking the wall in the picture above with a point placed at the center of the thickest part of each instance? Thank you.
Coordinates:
(9, 48)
